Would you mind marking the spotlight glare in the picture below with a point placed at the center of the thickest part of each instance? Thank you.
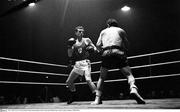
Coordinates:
(32, 4)
(125, 8)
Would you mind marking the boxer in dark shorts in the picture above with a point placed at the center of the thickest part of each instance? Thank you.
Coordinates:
(113, 44)
(114, 57)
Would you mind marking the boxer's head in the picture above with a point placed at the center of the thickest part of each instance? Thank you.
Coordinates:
(79, 31)
(112, 22)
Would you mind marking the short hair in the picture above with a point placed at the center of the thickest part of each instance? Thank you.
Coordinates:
(79, 27)
(112, 22)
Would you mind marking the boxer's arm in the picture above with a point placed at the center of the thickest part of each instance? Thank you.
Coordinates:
(99, 42)
(70, 51)
(70, 57)
(91, 45)
(125, 43)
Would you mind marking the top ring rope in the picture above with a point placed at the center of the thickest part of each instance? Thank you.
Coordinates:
(34, 62)
(33, 72)
(32, 83)
(150, 54)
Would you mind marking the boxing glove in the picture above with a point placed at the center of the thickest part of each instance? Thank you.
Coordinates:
(90, 49)
(71, 42)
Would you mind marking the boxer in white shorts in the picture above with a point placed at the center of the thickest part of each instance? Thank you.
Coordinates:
(83, 68)
(78, 53)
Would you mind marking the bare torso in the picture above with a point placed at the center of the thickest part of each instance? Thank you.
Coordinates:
(110, 37)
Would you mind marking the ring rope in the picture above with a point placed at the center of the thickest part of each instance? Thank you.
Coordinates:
(142, 66)
(139, 78)
(117, 80)
(34, 62)
(150, 54)
(11, 59)
(32, 72)
(36, 83)
(151, 65)
(46, 73)
(24, 71)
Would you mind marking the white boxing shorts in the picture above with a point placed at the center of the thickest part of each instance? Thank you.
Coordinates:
(83, 67)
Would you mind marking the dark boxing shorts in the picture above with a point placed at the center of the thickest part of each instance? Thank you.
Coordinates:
(114, 57)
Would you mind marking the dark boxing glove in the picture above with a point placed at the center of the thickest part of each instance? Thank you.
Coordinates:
(71, 42)
(90, 49)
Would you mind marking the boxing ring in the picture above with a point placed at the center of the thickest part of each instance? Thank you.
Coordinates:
(144, 77)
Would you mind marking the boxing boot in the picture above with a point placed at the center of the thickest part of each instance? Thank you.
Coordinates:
(71, 97)
(135, 95)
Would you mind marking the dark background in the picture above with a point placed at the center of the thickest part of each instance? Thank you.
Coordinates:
(40, 33)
